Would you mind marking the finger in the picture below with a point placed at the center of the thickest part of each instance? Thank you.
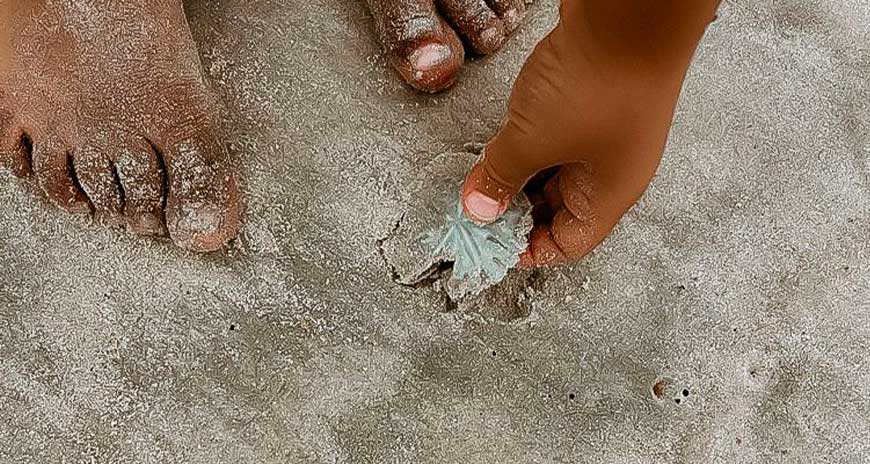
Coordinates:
(575, 229)
(575, 226)
(575, 190)
(485, 196)
(543, 250)
(494, 181)
(567, 238)
(574, 235)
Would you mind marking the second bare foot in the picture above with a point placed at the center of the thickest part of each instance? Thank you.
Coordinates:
(424, 39)
(104, 107)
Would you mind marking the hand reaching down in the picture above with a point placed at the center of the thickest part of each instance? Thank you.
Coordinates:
(588, 121)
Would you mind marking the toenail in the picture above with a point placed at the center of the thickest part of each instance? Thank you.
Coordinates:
(78, 207)
(512, 19)
(195, 226)
(109, 220)
(429, 56)
(148, 223)
(482, 207)
(490, 36)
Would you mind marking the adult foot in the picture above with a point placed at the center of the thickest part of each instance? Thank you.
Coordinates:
(588, 121)
(104, 107)
(422, 37)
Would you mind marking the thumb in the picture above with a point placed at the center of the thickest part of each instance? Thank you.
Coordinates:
(492, 184)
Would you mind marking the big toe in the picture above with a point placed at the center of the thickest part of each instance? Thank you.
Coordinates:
(430, 65)
(420, 45)
(202, 206)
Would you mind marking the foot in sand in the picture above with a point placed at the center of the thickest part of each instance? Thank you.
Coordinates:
(104, 107)
(423, 39)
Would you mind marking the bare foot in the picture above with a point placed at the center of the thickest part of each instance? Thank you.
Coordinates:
(589, 119)
(103, 105)
(422, 37)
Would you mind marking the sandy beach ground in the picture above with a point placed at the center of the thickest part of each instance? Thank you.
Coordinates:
(726, 320)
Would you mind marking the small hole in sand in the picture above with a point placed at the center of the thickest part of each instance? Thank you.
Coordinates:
(232, 327)
(570, 396)
(685, 392)
(494, 353)
(677, 400)
(659, 389)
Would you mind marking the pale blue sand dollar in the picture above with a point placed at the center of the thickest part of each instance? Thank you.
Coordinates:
(482, 255)
(433, 241)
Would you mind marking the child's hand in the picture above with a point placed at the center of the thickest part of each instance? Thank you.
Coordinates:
(565, 221)
(588, 120)
(561, 117)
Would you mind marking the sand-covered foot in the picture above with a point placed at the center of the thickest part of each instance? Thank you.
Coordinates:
(424, 39)
(104, 107)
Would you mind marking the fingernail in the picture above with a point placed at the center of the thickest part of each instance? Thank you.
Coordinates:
(482, 207)
(429, 56)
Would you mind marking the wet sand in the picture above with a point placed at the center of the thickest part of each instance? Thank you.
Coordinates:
(739, 286)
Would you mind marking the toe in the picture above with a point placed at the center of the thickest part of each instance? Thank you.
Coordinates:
(53, 169)
(477, 22)
(15, 146)
(202, 207)
(141, 177)
(511, 12)
(419, 44)
(16, 152)
(98, 179)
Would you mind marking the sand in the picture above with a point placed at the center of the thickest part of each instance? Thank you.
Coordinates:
(740, 284)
